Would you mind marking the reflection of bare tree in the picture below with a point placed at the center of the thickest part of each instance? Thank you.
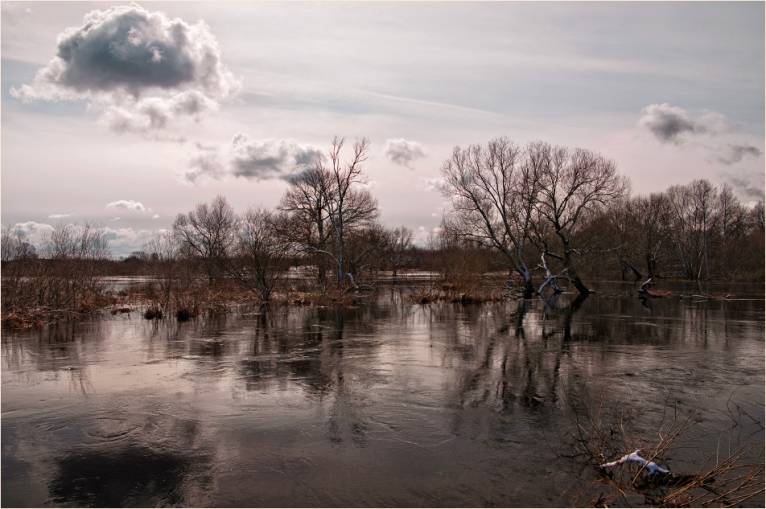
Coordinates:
(518, 361)
(62, 348)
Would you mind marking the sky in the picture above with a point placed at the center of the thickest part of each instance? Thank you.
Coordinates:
(126, 114)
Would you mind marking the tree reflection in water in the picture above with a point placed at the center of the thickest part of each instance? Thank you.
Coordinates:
(387, 403)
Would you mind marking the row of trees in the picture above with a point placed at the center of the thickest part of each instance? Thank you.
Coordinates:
(62, 276)
(556, 205)
(546, 213)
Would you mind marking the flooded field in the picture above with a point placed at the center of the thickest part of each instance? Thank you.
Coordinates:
(386, 404)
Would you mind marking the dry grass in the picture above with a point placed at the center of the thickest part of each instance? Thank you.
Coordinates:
(728, 481)
(457, 293)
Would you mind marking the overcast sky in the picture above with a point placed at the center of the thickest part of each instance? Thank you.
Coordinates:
(127, 114)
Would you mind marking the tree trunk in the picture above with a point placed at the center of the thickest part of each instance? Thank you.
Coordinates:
(526, 276)
(572, 273)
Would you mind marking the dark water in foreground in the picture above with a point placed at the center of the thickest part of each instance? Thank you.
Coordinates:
(389, 404)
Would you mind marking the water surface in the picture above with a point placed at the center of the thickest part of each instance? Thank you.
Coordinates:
(387, 404)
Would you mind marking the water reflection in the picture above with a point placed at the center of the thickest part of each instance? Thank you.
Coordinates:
(389, 403)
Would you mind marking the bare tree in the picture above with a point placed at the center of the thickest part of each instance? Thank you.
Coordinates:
(730, 224)
(573, 185)
(757, 216)
(308, 228)
(163, 251)
(364, 248)
(399, 243)
(493, 189)
(260, 254)
(15, 246)
(346, 205)
(692, 218)
(208, 232)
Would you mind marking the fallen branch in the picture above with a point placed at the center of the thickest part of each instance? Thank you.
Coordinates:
(650, 466)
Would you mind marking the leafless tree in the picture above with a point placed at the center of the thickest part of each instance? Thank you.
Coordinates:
(692, 218)
(345, 204)
(15, 246)
(164, 250)
(260, 255)
(493, 190)
(208, 232)
(757, 216)
(573, 185)
(308, 227)
(399, 243)
(364, 247)
(77, 242)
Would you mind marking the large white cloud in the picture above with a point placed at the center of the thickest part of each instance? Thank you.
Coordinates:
(33, 232)
(253, 159)
(404, 152)
(142, 70)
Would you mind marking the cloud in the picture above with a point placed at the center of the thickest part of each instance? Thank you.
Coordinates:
(141, 69)
(668, 123)
(433, 184)
(155, 113)
(123, 241)
(735, 153)
(58, 216)
(403, 152)
(14, 12)
(748, 185)
(136, 206)
(33, 232)
(253, 159)
(156, 216)
(423, 234)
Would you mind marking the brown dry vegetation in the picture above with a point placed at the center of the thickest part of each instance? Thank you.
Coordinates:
(720, 479)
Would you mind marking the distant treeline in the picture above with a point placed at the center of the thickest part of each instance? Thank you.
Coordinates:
(543, 214)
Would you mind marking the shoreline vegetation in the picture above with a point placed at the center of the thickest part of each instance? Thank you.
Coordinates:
(202, 297)
(543, 218)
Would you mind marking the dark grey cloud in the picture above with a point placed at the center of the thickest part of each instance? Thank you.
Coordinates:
(748, 185)
(733, 153)
(253, 159)
(142, 69)
(669, 123)
(403, 152)
(258, 159)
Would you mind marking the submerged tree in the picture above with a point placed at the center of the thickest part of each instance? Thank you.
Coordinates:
(208, 232)
(260, 253)
(307, 227)
(493, 189)
(574, 184)
(326, 204)
(346, 205)
(398, 243)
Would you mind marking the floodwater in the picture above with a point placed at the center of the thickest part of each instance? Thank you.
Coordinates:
(387, 404)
